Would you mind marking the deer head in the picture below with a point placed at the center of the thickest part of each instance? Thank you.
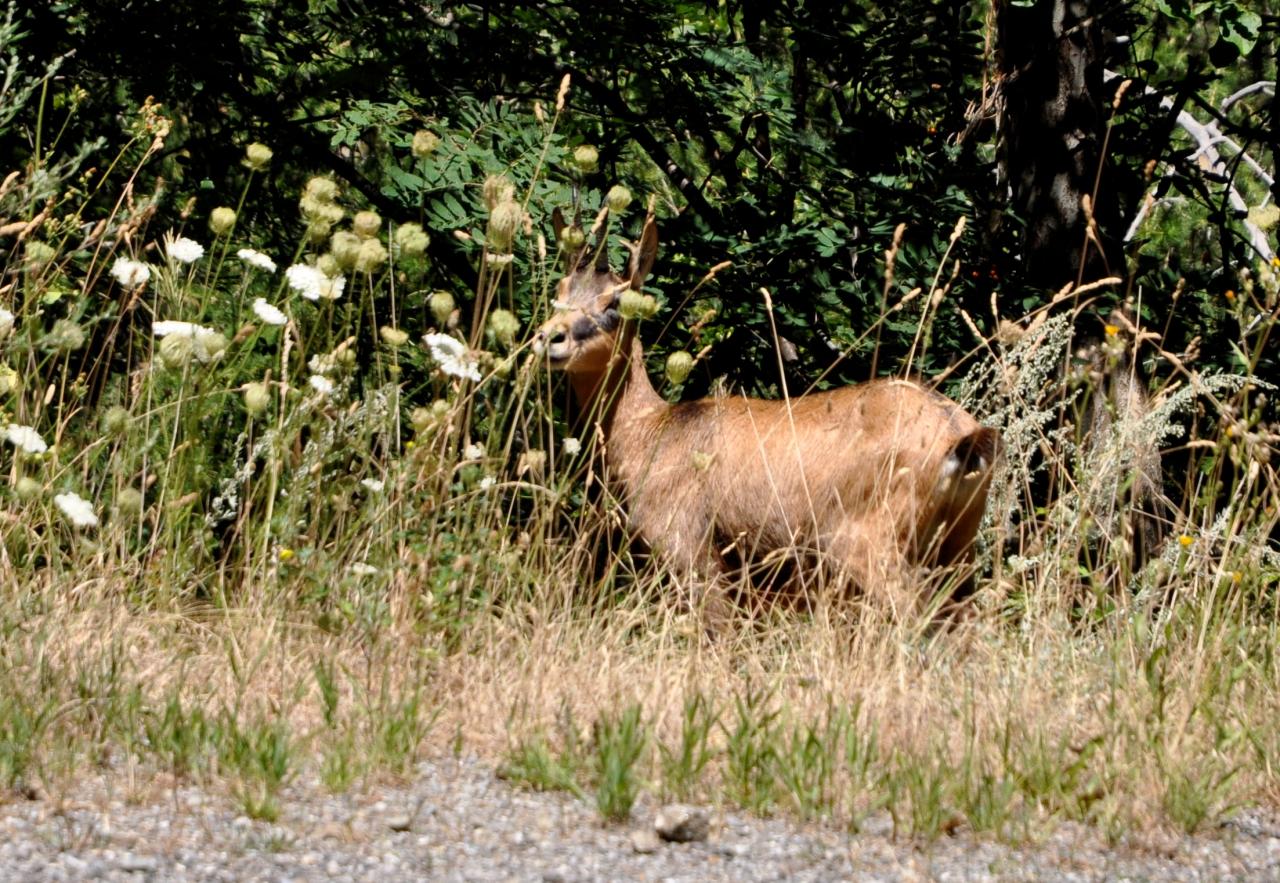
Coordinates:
(587, 330)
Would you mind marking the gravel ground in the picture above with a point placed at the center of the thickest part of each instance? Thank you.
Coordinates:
(456, 821)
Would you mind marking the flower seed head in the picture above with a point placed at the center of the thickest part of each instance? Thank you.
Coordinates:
(129, 501)
(318, 232)
(7, 321)
(257, 398)
(328, 265)
(345, 248)
(65, 336)
(504, 326)
(27, 488)
(222, 220)
(321, 189)
(39, 255)
(425, 143)
(586, 158)
(679, 365)
(618, 198)
(9, 382)
(366, 224)
(421, 419)
(634, 305)
(572, 239)
(497, 189)
(115, 420)
(411, 240)
(371, 257)
(257, 156)
(504, 220)
(442, 307)
(393, 336)
(176, 351)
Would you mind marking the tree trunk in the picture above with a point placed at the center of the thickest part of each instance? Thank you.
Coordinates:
(1053, 121)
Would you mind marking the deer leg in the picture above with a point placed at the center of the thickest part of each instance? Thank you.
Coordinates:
(871, 557)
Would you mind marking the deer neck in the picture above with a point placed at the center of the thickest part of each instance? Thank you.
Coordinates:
(621, 394)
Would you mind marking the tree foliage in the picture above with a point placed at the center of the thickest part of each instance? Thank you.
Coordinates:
(788, 138)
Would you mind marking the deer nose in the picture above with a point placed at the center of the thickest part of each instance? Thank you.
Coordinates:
(546, 338)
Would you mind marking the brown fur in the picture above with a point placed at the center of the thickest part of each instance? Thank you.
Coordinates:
(876, 478)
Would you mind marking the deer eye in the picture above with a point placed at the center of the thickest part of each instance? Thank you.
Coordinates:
(582, 328)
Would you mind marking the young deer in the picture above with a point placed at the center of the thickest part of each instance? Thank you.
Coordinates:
(876, 479)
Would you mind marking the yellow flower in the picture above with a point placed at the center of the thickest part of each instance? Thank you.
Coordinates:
(1184, 540)
(1112, 330)
(1230, 295)
(1275, 262)
(286, 554)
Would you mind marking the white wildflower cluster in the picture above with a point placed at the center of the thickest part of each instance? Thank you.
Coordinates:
(572, 447)
(312, 283)
(182, 249)
(452, 356)
(257, 260)
(374, 485)
(202, 342)
(77, 509)
(269, 313)
(7, 321)
(130, 273)
(25, 439)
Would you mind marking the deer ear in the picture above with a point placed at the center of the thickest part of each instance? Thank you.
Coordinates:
(643, 253)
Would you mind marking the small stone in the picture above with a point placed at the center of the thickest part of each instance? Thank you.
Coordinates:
(137, 864)
(678, 823)
(644, 841)
(401, 822)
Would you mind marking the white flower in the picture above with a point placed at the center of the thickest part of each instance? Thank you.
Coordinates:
(452, 356)
(321, 384)
(187, 329)
(256, 259)
(7, 320)
(571, 446)
(26, 439)
(373, 484)
(331, 289)
(183, 250)
(313, 284)
(268, 313)
(362, 569)
(304, 279)
(473, 451)
(78, 510)
(486, 482)
(130, 273)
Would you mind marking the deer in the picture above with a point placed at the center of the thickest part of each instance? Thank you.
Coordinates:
(879, 481)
